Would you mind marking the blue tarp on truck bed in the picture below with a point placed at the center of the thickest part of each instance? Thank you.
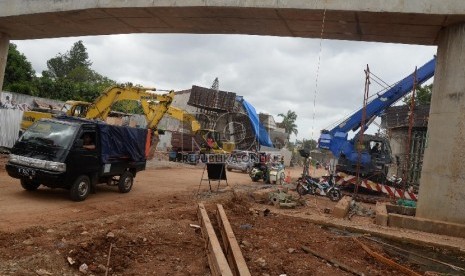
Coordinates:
(119, 142)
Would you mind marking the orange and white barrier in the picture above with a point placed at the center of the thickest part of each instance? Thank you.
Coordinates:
(345, 179)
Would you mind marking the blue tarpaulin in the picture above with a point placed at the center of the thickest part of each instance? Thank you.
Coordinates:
(122, 142)
(259, 130)
(117, 142)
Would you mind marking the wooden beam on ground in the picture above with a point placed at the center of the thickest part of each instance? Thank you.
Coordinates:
(218, 263)
(231, 247)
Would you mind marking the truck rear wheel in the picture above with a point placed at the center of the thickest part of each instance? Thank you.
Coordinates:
(29, 185)
(125, 182)
(80, 188)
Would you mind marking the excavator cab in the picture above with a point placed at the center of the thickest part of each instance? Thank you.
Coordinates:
(211, 140)
(214, 142)
(76, 108)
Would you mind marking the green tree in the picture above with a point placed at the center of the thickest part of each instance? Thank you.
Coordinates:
(422, 95)
(74, 64)
(306, 144)
(19, 75)
(78, 57)
(69, 76)
(288, 122)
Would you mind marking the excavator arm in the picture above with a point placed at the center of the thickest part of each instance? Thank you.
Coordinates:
(153, 105)
(183, 116)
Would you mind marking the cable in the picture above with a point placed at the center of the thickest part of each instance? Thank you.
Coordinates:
(318, 71)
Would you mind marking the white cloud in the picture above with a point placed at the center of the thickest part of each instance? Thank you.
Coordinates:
(274, 74)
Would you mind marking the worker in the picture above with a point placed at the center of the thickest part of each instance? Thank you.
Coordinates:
(376, 148)
(210, 142)
(87, 142)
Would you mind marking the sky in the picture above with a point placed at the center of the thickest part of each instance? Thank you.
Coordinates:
(321, 80)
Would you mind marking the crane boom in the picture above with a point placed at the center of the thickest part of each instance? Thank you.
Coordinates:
(375, 107)
(373, 162)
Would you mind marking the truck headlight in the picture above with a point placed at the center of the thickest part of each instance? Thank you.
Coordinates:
(55, 166)
(13, 158)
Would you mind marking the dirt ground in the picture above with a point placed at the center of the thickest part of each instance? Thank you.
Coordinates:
(148, 230)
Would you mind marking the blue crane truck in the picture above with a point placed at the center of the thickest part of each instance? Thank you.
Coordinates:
(53, 153)
(375, 152)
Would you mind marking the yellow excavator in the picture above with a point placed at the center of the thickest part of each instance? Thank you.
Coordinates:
(154, 106)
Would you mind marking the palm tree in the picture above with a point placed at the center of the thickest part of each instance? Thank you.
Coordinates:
(288, 122)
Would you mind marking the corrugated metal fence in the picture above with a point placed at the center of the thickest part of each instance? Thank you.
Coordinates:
(10, 119)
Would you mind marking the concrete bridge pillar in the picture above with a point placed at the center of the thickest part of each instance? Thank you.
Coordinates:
(4, 45)
(442, 189)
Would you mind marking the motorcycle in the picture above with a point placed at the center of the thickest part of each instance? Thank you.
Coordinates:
(269, 173)
(259, 171)
(309, 185)
(312, 186)
(276, 173)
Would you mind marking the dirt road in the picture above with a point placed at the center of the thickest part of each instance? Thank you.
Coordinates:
(44, 233)
(46, 206)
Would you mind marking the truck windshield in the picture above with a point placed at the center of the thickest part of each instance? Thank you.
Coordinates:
(51, 134)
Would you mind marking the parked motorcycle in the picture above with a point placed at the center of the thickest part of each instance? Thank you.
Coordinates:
(309, 185)
(312, 186)
(276, 173)
(259, 172)
(269, 173)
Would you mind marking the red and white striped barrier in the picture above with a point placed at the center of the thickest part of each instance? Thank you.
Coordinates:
(345, 179)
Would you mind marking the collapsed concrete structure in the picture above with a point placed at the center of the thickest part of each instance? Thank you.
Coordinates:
(395, 120)
(221, 111)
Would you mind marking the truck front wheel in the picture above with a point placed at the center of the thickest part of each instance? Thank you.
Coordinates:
(29, 185)
(125, 182)
(80, 189)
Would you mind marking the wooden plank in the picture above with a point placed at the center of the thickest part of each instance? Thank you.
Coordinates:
(218, 263)
(231, 247)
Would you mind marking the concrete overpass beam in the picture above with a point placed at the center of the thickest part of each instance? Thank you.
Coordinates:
(4, 45)
(442, 189)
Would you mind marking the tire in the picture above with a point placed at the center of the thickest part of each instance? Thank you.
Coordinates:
(300, 189)
(29, 185)
(255, 179)
(80, 188)
(125, 182)
(334, 195)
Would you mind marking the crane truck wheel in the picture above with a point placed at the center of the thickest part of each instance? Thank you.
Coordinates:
(125, 182)
(80, 188)
(29, 185)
